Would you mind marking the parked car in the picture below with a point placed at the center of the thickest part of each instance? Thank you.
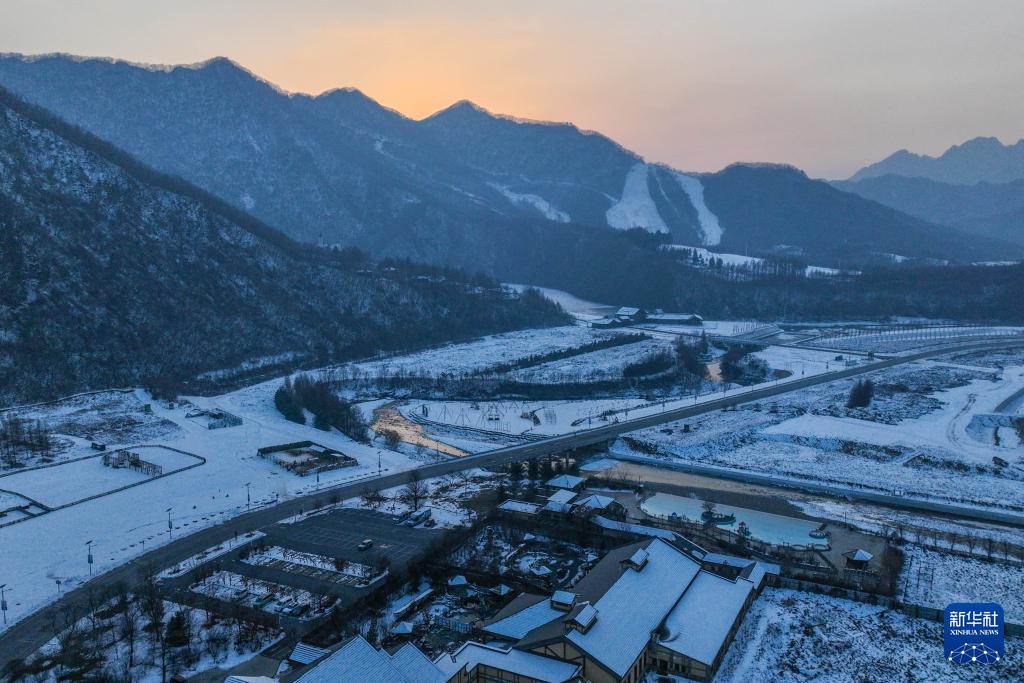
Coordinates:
(366, 544)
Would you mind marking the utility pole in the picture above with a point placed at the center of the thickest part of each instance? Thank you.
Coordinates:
(3, 601)
(248, 495)
(170, 527)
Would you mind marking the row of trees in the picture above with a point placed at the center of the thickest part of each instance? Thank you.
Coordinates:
(19, 435)
(328, 409)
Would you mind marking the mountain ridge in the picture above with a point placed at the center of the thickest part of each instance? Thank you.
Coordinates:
(980, 159)
(115, 273)
(461, 186)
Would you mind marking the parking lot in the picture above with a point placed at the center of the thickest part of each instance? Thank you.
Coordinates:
(338, 533)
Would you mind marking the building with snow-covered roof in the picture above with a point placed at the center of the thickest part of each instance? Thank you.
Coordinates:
(356, 661)
(304, 653)
(696, 632)
(605, 505)
(519, 507)
(733, 567)
(614, 621)
(858, 558)
(474, 662)
(561, 496)
(565, 481)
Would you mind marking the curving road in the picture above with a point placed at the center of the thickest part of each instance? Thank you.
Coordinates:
(32, 632)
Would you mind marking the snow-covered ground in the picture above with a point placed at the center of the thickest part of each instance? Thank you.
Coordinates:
(710, 228)
(635, 208)
(580, 308)
(794, 636)
(121, 522)
(222, 645)
(913, 439)
(605, 364)
(451, 421)
(936, 579)
(66, 483)
(456, 359)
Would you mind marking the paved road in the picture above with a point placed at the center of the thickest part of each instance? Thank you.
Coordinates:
(28, 635)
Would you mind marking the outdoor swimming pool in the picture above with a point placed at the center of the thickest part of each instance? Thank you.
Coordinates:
(763, 526)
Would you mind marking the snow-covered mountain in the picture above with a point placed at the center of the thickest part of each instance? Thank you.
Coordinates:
(113, 274)
(977, 160)
(463, 186)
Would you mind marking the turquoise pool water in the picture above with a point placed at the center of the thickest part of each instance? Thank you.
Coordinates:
(763, 526)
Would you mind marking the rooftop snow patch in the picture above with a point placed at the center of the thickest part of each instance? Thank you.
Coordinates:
(517, 625)
(359, 662)
(525, 664)
(634, 606)
(636, 208)
(562, 496)
(565, 481)
(710, 228)
(699, 624)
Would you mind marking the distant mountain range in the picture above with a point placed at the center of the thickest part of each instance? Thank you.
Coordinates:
(463, 186)
(115, 274)
(981, 160)
(976, 187)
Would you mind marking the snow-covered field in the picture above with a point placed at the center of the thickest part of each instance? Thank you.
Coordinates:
(913, 439)
(456, 359)
(605, 364)
(120, 523)
(69, 482)
(794, 636)
(108, 417)
(935, 579)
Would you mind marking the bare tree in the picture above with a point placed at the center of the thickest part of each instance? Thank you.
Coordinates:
(414, 492)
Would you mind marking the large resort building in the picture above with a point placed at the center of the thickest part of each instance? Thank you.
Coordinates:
(648, 606)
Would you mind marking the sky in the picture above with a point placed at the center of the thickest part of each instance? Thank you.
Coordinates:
(829, 86)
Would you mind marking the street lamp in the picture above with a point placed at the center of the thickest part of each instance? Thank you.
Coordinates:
(88, 550)
(3, 601)
(378, 463)
(58, 586)
(248, 497)
(170, 527)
